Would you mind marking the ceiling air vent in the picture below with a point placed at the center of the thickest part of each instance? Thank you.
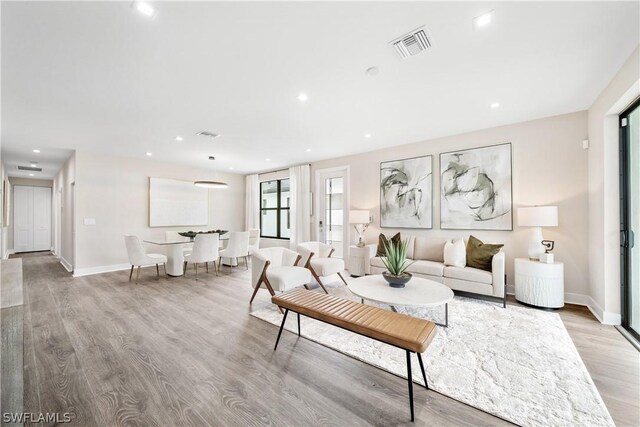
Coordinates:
(413, 43)
(29, 168)
(208, 134)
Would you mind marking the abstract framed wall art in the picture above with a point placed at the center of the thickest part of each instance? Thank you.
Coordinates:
(476, 189)
(406, 193)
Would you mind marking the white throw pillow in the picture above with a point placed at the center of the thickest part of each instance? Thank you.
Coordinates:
(455, 254)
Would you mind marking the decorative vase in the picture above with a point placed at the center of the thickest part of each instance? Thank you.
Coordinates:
(396, 281)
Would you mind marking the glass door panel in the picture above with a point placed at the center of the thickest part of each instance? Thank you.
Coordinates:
(333, 215)
(630, 194)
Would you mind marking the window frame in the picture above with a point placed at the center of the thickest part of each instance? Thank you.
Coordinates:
(278, 209)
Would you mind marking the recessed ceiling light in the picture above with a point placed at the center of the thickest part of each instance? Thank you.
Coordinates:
(30, 174)
(268, 159)
(308, 150)
(36, 150)
(494, 105)
(33, 165)
(145, 8)
(302, 97)
(367, 135)
(149, 154)
(482, 20)
(179, 138)
(230, 168)
(372, 71)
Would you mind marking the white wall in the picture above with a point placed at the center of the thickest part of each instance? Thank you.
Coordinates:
(549, 168)
(63, 238)
(604, 203)
(115, 192)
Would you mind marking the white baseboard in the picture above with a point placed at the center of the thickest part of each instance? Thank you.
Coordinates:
(604, 317)
(66, 264)
(100, 269)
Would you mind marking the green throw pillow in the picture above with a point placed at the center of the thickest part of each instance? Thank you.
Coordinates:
(382, 241)
(479, 255)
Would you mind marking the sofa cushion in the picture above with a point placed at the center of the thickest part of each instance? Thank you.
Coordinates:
(429, 268)
(429, 248)
(382, 240)
(479, 254)
(455, 253)
(377, 262)
(469, 274)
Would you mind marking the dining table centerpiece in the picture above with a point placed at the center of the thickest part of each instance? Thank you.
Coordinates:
(192, 234)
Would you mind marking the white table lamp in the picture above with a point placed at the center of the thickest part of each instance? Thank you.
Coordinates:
(537, 217)
(360, 221)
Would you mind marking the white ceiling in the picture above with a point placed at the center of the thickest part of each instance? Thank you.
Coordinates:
(101, 77)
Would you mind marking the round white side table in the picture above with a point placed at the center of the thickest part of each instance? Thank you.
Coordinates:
(539, 284)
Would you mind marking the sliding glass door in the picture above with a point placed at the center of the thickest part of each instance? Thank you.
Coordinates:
(630, 217)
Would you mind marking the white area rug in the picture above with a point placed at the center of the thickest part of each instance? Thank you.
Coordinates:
(517, 363)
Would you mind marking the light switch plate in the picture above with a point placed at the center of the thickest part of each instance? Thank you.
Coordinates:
(89, 221)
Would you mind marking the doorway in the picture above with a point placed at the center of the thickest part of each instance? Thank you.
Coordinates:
(32, 218)
(630, 218)
(332, 190)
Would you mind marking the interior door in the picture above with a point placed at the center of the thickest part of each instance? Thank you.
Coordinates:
(333, 209)
(22, 218)
(41, 218)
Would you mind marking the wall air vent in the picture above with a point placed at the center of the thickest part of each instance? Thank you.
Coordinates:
(208, 134)
(29, 168)
(413, 43)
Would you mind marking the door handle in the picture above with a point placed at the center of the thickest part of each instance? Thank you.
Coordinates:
(631, 239)
(623, 238)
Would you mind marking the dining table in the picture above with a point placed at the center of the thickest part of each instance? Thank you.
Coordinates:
(175, 253)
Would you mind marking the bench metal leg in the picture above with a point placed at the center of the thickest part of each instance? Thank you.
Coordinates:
(410, 381)
(298, 323)
(424, 376)
(284, 319)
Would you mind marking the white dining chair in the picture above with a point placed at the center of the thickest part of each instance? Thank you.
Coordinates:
(277, 269)
(139, 258)
(316, 256)
(205, 250)
(254, 240)
(237, 248)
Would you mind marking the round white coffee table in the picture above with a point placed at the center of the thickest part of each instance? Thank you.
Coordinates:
(418, 292)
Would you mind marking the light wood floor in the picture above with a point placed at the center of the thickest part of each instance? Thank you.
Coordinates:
(180, 352)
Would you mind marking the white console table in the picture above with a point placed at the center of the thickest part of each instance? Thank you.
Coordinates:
(539, 284)
(358, 259)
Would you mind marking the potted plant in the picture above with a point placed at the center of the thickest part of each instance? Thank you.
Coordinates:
(396, 263)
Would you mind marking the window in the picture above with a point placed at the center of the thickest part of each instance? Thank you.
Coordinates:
(275, 219)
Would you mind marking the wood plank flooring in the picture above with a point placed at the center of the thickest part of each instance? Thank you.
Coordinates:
(176, 351)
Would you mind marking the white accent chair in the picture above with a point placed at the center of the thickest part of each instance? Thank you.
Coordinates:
(254, 240)
(139, 258)
(237, 248)
(277, 269)
(205, 250)
(316, 257)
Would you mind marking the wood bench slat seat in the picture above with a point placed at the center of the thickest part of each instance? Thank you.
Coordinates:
(400, 330)
(408, 333)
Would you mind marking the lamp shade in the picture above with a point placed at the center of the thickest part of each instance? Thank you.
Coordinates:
(359, 217)
(538, 216)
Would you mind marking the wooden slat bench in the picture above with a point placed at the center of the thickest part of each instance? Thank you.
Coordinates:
(399, 330)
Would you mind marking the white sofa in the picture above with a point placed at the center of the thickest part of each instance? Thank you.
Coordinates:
(428, 254)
